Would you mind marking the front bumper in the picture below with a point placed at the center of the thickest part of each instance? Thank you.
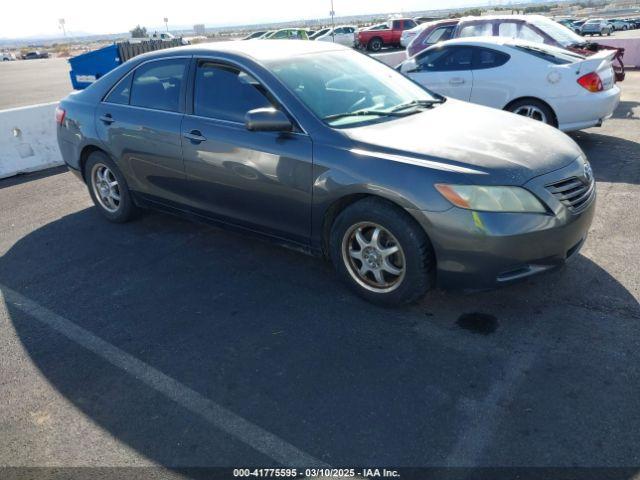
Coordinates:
(479, 250)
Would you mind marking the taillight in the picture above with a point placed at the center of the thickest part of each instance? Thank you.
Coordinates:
(60, 113)
(591, 81)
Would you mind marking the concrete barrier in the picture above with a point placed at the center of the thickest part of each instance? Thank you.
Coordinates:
(28, 139)
(631, 49)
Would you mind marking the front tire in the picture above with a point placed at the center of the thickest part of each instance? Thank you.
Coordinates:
(381, 253)
(108, 188)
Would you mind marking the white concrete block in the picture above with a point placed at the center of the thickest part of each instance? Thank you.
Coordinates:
(28, 139)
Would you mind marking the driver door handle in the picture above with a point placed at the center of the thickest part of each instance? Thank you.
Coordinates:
(107, 119)
(456, 81)
(195, 136)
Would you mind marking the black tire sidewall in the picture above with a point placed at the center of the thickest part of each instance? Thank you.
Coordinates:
(126, 209)
(418, 258)
(375, 45)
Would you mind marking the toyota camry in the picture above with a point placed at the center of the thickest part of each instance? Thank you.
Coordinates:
(322, 148)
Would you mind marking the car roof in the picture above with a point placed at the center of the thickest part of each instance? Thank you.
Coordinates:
(259, 50)
(498, 41)
(488, 18)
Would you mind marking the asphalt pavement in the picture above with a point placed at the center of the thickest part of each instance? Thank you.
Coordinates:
(164, 342)
(30, 82)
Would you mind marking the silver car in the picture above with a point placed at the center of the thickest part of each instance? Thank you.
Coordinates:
(319, 147)
(596, 26)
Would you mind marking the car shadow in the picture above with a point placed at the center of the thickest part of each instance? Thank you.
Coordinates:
(271, 335)
(627, 110)
(613, 158)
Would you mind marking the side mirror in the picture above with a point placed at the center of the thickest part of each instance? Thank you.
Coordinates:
(267, 120)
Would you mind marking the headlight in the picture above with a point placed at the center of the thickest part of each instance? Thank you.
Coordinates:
(491, 199)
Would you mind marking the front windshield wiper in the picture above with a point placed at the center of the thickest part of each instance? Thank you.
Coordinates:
(363, 113)
(416, 103)
(394, 112)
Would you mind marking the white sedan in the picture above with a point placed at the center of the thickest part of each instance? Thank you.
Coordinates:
(344, 35)
(556, 86)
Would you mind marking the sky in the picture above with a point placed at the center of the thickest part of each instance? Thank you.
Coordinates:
(116, 16)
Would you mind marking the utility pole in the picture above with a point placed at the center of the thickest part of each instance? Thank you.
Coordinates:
(166, 23)
(333, 22)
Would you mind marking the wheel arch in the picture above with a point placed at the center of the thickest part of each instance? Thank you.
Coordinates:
(555, 115)
(344, 202)
(86, 151)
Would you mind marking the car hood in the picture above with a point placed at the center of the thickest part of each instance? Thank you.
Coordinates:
(500, 147)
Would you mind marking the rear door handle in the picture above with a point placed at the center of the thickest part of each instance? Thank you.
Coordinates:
(107, 119)
(456, 81)
(195, 136)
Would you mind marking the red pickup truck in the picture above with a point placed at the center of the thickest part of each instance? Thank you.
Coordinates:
(383, 35)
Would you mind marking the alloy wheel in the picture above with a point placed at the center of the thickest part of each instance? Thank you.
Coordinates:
(531, 111)
(105, 187)
(373, 257)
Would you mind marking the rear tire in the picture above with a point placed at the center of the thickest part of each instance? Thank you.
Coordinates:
(108, 188)
(534, 109)
(394, 266)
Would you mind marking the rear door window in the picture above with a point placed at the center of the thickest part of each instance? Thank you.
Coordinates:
(157, 85)
(529, 34)
(483, 29)
(508, 29)
(226, 93)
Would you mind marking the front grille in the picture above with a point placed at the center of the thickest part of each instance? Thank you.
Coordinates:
(574, 193)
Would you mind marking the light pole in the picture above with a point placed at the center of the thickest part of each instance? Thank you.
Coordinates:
(61, 25)
(333, 22)
(166, 23)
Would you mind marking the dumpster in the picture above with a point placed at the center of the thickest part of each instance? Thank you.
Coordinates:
(90, 66)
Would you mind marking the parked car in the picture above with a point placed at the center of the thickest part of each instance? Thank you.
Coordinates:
(289, 34)
(577, 26)
(344, 35)
(597, 26)
(35, 54)
(408, 35)
(384, 35)
(561, 88)
(319, 33)
(431, 34)
(7, 56)
(619, 24)
(255, 35)
(534, 28)
(322, 148)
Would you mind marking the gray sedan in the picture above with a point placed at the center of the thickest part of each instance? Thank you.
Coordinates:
(326, 150)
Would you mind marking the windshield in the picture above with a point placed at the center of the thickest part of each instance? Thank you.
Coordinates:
(349, 87)
(561, 34)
